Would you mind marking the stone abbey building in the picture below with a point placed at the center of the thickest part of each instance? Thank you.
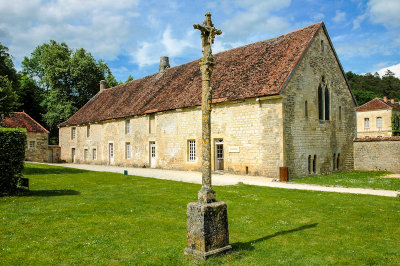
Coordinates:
(283, 102)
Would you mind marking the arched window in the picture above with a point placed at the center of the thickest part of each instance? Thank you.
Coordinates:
(338, 161)
(305, 109)
(315, 164)
(309, 164)
(327, 103)
(340, 112)
(320, 103)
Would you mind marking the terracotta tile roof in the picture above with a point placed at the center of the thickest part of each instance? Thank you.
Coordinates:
(254, 70)
(395, 138)
(378, 104)
(23, 120)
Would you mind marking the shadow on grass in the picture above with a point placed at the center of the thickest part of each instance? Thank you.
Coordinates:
(249, 245)
(52, 193)
(53, 171)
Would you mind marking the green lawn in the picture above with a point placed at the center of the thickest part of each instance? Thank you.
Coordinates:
(80, 217)
(361, 179)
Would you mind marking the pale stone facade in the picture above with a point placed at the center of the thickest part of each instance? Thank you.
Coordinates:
(246, 129)
(252, 136)
(36, 148)
(369, 126)
(305, 134)
(372, 154)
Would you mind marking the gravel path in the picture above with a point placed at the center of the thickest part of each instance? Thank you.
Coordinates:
(226, 179)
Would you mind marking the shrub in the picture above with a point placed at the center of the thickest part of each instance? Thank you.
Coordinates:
(12, 156)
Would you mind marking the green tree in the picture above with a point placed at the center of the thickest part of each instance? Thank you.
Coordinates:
(369, 86)
(130, 78)
(8, 97)
(69, 78)
(30, 97)
(7, 66)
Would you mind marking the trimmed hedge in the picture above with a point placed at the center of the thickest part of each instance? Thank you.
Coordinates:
(12, 156)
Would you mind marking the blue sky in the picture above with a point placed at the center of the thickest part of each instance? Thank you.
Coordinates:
(131, 35)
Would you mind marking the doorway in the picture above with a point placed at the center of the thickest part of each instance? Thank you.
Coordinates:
(219, 155)
(152, 154)
(73, 155)
(111, 153)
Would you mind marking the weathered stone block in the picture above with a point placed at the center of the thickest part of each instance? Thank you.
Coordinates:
(207, 229)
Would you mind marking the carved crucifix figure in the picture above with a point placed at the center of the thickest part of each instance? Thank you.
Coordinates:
(208, 32)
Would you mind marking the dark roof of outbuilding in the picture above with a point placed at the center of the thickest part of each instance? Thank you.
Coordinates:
(258, 69)
(23, 120)
(378, 104)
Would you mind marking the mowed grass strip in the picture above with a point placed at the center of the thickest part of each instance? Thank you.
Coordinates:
(357, 179)
(81, 217)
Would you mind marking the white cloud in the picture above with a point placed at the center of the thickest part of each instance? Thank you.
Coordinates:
(386, 12)
(318, 17)
(395, 69)
(100, 26)
(340, 16)
(148, 53)
(256, 16)
(357, 22)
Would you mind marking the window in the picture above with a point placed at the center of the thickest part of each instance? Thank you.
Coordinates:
(327, 103)
(379, 123)
(305, 109)
(86, 154)
(88, 131)
(192, 150)
(334, 162)
(309, 164)
(127, 126)
(366, 122)
(73, 133)
(340, 112)
(338, 161)
(94, 154)
(320, 103)
(31, 145)
(152, 123)
(323, 101)
(322, 45)
(128, 150)
(315, 164)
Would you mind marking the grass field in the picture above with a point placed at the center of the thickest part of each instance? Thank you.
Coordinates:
(80, 217)
(361, 179)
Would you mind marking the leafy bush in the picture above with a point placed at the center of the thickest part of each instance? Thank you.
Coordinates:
(395, 125)
(12, 156)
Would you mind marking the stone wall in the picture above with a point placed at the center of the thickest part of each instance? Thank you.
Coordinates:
(306, 135)
(39, 151)
(251, 131)
(377, 154)
(373, 131)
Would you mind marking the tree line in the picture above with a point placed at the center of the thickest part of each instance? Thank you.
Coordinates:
(369, 86)
(55, 81)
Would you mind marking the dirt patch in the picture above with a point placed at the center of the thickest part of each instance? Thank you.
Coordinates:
(391, 176)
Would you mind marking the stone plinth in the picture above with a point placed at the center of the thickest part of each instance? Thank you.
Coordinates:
(207, 229)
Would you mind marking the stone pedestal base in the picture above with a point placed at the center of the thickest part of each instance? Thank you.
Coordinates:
(207, 229)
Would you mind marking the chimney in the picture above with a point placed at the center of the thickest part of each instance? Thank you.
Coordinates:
(385, 99)
(102, 85)
(392, 100)
(164, 63)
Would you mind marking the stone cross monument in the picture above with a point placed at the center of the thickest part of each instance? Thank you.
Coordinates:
(207, 219)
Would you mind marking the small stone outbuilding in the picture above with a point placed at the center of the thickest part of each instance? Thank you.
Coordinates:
(37, 136)
(283, 102)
